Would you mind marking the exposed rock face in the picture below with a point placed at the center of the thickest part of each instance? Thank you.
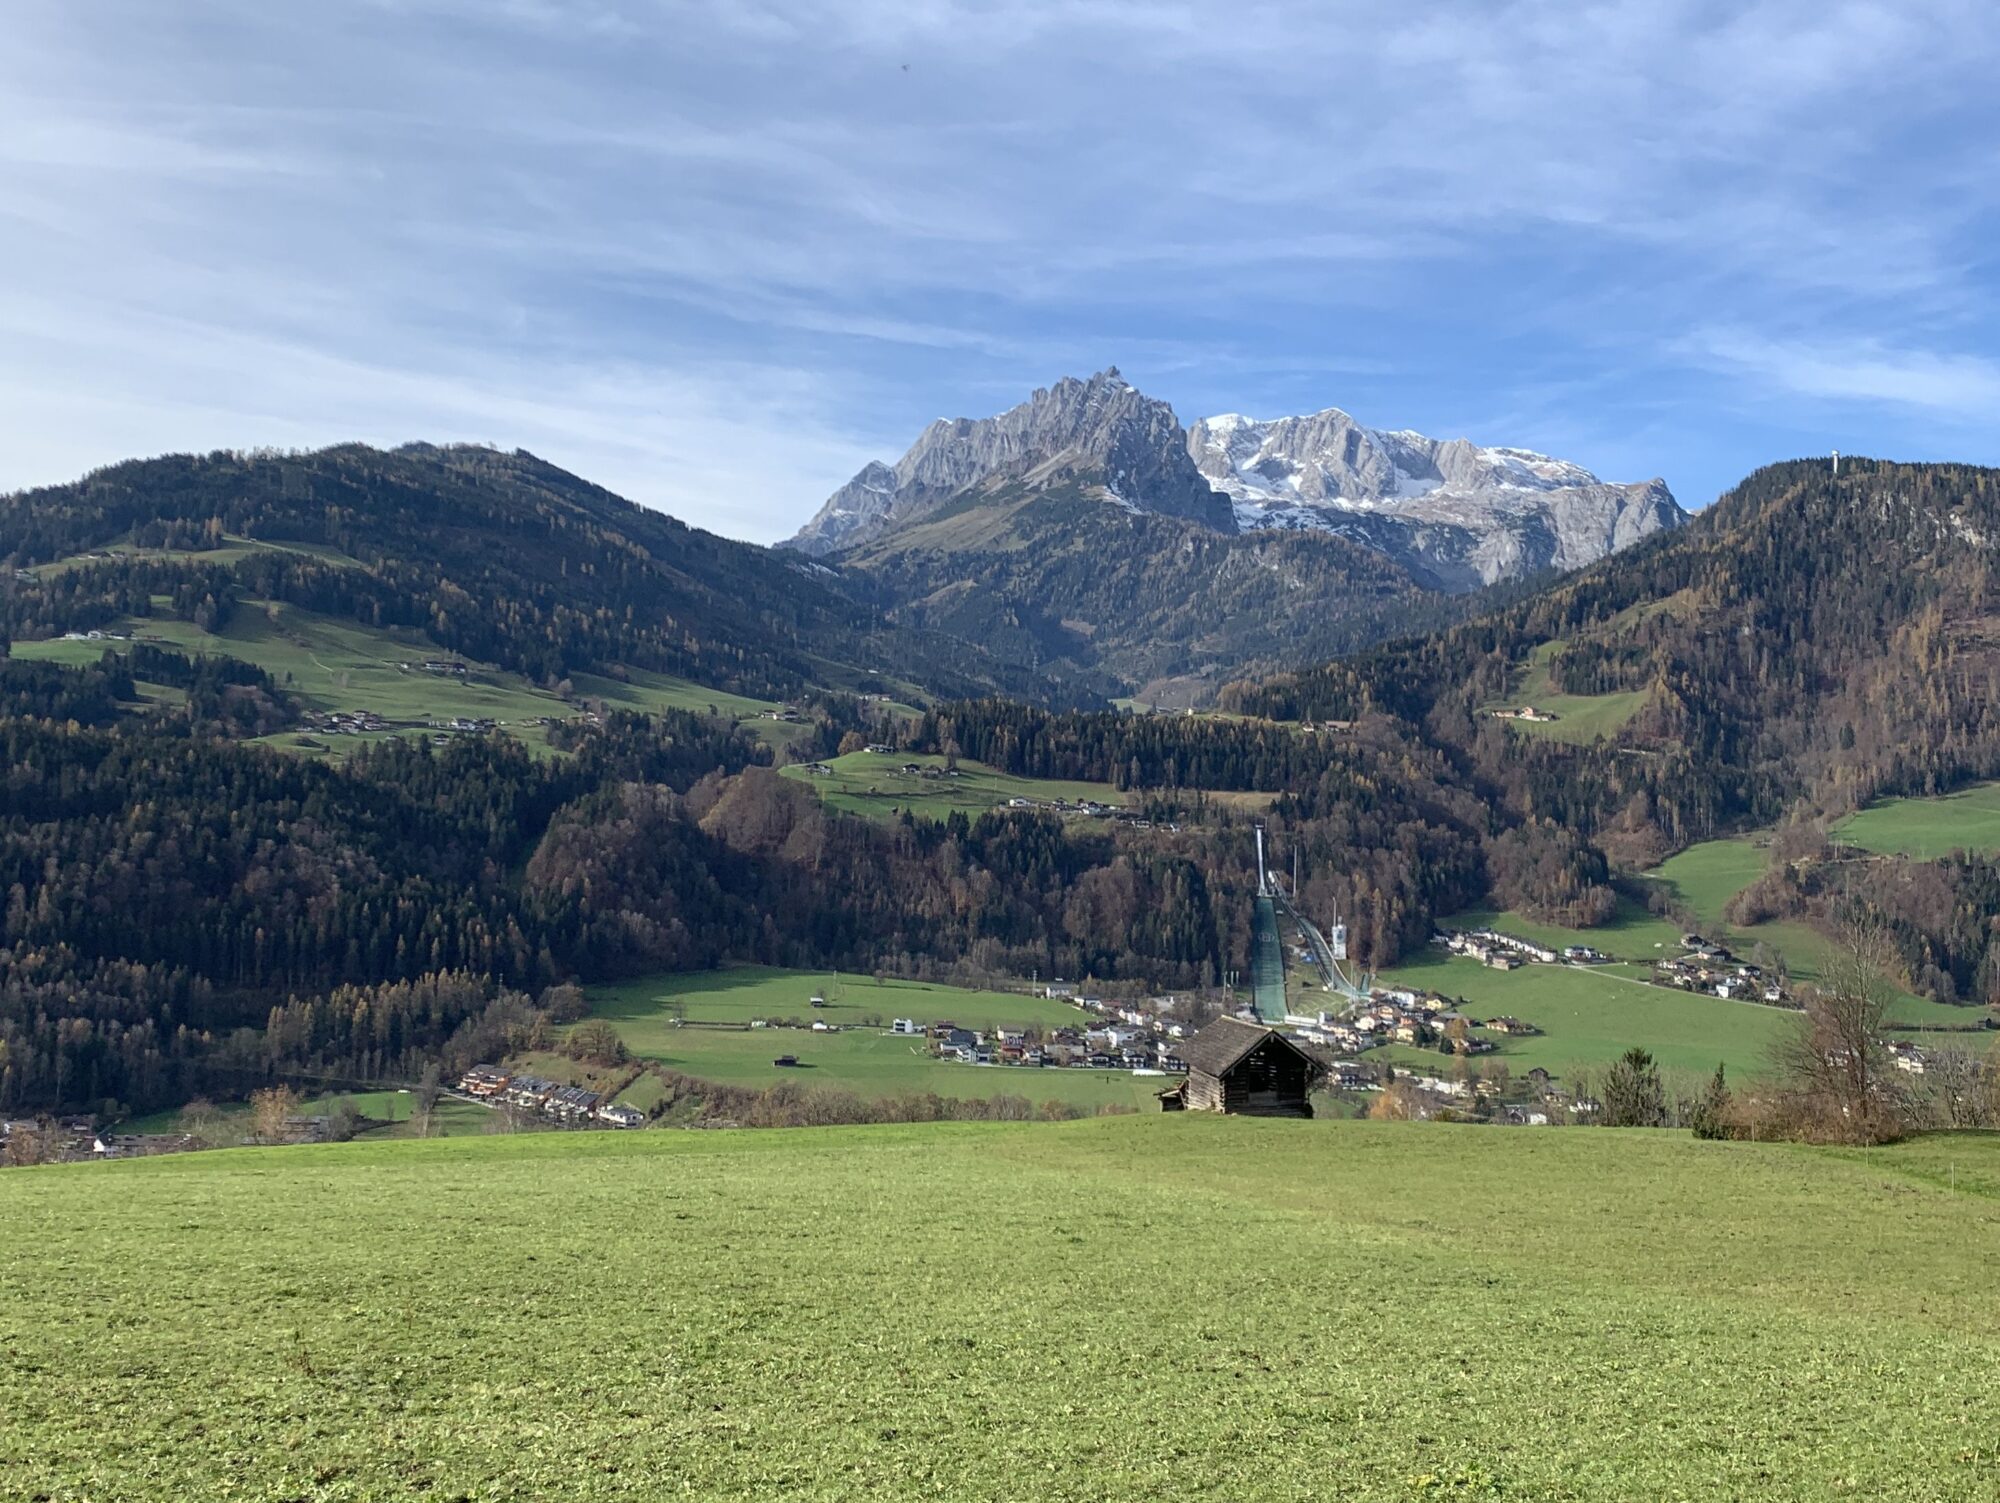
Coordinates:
(1100, 435)
(1452, 511)
(1455, 514)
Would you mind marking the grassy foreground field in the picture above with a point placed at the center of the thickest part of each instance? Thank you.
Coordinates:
(1136, 1308)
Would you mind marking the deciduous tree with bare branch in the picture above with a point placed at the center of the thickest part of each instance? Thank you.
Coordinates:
(1835, 1068)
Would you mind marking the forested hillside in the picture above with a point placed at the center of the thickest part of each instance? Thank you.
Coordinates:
(498, 556)
(181, 911)
(1072, 585)
(186, 913)
(1810, 643)
(1810, 640)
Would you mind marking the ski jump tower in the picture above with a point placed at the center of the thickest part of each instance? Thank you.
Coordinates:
(1328, 951)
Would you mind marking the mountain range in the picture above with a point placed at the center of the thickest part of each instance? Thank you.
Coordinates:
(1453, 515)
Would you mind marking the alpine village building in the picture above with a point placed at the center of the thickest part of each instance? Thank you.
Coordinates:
(1246, 1070)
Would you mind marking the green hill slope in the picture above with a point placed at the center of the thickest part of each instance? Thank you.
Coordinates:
(1136, 1308)
(497, 556)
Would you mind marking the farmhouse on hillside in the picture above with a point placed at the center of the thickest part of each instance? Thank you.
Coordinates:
(1244, 1069)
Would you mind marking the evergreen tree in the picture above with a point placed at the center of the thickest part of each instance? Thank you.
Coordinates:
(1709, 1116)
(1633, 1094)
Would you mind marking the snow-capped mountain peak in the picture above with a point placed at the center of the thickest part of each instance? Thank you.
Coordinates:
(1467, 513)
(1454, 513)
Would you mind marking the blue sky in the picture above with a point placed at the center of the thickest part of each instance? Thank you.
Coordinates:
(715, 257)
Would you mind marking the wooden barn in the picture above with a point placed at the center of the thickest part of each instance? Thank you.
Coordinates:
(1246, 1069)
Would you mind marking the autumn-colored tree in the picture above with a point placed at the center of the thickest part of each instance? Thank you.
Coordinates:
(1396, 1103)
(424, 1100)
(597, 1041)
(270, 1110)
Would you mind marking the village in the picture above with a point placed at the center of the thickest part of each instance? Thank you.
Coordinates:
(1703, 966)
(1160, 1035)
(368, 722)
(566, 1105)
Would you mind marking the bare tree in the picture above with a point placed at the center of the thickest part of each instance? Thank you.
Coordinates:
(203, 1122)
(271, 1110)
(424, 1100)
(39, 1143)
(1834, 1064)
(1957, 1091)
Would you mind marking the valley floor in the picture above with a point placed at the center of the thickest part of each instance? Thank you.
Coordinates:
(1129, 1308)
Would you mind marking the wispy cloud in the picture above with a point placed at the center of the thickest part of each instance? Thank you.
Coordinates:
(715, 253)
(1958, 386)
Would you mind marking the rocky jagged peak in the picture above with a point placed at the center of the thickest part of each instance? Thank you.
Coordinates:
(1098, 435)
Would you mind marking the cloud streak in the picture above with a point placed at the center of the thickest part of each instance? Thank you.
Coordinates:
(1949, 386)
(714, 254)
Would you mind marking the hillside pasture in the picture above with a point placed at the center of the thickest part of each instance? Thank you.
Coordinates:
(331, 664)
(660, 1020)
(234, 549)
(1927, 828)
(874, 784)
(1590, 1015)
(1632, 933)
(917, 1313)
(738, 994)
(1706, 876)
(1579, 717)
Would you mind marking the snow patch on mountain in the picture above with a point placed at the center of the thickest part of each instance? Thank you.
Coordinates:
(1465, 514)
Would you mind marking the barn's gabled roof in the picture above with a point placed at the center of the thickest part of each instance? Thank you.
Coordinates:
(1226, 1042)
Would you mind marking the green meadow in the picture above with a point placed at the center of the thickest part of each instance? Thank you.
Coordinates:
(874, 784)
(1708, 875)
(387, 1113)
(1927, 828)
(1632, 934)
(1589, 1016)
(659, 1019)
(1141, 1308)
(333, 664)
(233, 550)
(1580, 717)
